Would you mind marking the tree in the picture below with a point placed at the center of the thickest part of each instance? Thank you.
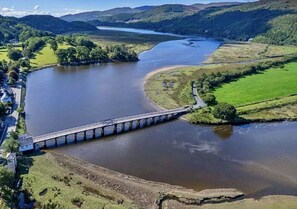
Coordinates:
(11, 81)
(99, 54)
(14, 54)
(10, 145)
(62, 55)
(53, 44)
(13, 74)
(25, 63)
(71, 54)
(3, 109)
(14, 135)
(7, 182)
(209, 99)
(224, 111)
(83, 53)
(82, 41)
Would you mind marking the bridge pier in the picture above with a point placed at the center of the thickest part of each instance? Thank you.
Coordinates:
(45, 145)
(168, 117)
(85, 135)
(138, 123)
(94, 133)
(75, 138)
(56, 142)
(123, 127)
(66, 140)
(102, 131)
(115, 129)
(130, 125)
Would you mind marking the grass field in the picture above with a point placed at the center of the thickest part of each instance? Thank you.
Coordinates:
(270, 84)
(232, 52)
(48, 182)
(46, 56)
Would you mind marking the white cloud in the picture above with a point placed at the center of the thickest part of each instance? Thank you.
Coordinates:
(5, 11)
(36, 7)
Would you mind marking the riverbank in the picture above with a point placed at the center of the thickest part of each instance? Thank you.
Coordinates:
(275, 107)
(65, 179)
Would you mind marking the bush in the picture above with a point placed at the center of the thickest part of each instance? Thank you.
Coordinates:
(77, 201)
(210, 99)
(224, 111)
(15, 54)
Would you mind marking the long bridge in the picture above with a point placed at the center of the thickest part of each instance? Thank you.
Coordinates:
(118, 125)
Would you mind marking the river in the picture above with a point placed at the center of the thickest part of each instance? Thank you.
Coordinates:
(258, 159)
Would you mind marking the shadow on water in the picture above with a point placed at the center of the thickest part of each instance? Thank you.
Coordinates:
(224, 131)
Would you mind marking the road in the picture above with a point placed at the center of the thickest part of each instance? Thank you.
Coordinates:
(199, 103)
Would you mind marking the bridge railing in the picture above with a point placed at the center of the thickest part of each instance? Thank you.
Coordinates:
(106, 123)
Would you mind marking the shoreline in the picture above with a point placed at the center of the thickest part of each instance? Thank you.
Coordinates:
(123, 190)
(152, 73)
(235, 123)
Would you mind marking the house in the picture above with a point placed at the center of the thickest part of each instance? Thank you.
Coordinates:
(26, 143)
(11, 162)
(6, 98)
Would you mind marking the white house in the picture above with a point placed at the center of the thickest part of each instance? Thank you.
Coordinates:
(11, 161)
(26, 143)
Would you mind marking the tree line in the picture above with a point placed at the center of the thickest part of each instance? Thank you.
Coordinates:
(84, 51)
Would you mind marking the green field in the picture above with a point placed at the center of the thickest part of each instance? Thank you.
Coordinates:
(46, 56)
(267, 85)
(3, 54)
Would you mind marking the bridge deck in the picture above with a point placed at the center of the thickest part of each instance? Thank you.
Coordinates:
(107, 123)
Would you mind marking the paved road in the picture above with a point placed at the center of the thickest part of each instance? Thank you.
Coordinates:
(199, 103)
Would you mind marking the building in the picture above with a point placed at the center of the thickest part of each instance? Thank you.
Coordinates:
(26, 143)
(11, 162)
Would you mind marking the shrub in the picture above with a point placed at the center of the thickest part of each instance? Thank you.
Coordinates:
(15, 54)
(77, 201)
(210, 99)
(224, 111)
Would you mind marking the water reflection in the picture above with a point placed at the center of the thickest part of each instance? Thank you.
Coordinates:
(224, 131)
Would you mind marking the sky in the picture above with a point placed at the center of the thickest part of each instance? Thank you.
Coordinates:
(61, 7)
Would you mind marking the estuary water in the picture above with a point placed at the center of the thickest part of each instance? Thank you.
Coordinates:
(258, 159)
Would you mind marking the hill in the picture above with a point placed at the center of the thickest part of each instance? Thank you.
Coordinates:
(143, 14)
(103, 15)
(268, 21)
(55, 25)
(11, 29)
